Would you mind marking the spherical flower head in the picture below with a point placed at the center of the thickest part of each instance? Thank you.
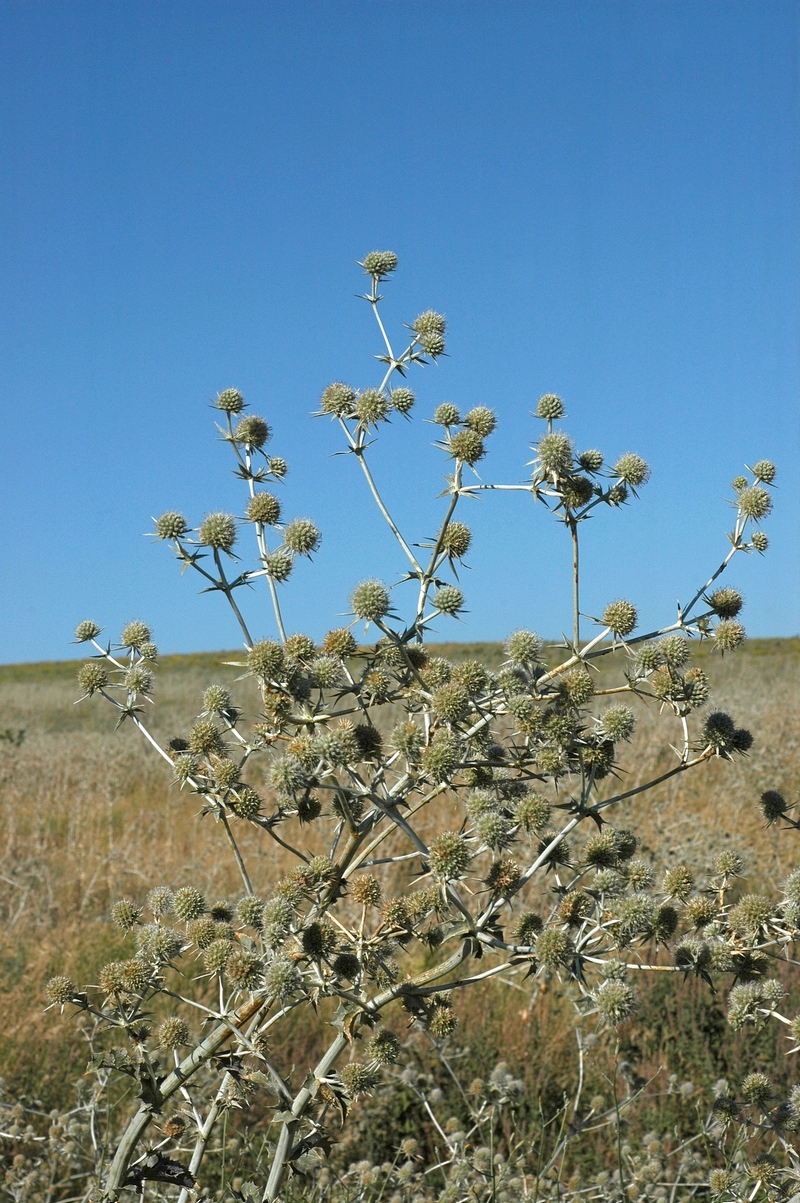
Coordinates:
(482, 420)
(217, 700)
(327, 671)
(456, 540)
(379, 263)
(406, 738)
(449, 855)
(431, 343)
(555, 452)
(467, 445)
(358, 1079)
(372, 407)
(554, 948)
(442, 1021)
(764, 471)
(728, 635)
(205, 738)
(250, 912)
(370, 601)
(277, 467)
(266, 659)
(347, 964)
(578, 685)
(754, 503)
(402, 400)
(773, 805)
(86, 630)
(726, 602)
(591, 460)
(59, 990)
(366, 890)
(617, 495)
(149, 651)
(441, 759)
(493, 830)
(718, 730)
(533, 813)
(430, 322)
(528, 927)
(617, 723)
(576, 491)
(252, 432)
(338, 399)
(159, 900)
(160, 944)
(134, 634)
(602, 850)
(218, 531)
(729, 864)
(620, 617)
(281, 979)
(216, 955)
(188, 904)
(756, 1089)
(244, 802)
(615, 1001)
(264, 508)
(751, 915)
(384, 1047)
(244, 970)
(523, 648)
(92, 677)
(678, 882)
(449, 600)
(472, 676)
(230, 401)
(125, 914)
(278, 564)
(446, 414)
(632, 469)
(721, 1182)
(759, 541)
(550, 407)
(139, 679)
(674, 650)
(301, 536)
(173, 1032)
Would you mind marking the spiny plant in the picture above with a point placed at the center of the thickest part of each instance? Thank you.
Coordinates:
(494, 789)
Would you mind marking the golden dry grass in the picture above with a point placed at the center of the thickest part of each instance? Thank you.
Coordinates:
(88, 815)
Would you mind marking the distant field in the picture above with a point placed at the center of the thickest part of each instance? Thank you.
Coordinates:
(88, 815)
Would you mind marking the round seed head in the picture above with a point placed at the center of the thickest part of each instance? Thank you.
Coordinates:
(751, 915)
(134, 635)
(504, 876)
(277, 467)
(632, 469)
(230, 401)
(347, 964)
(449, 600)
(718, 731)
(493, 830)
(665, 923)
(576, 491)
(449, 855)
(773, 805)
(451, 703)
(446, 414)
(159, 900)
(729, 864)
(443, 1020)
(678, 882)
(402, 399)
(92, 677)
(602, 849)
(358, 1079)
(244, 970)
(437, 672)
(218, 531)
(339, 643)
(173, 1032)
(467, 445)
(756, 1089)
(370, 600)
(550, 407)
(281, 978)
(533, 813)
(125, 914)
(617, 723)
(729, 634)
(301, 536)
(431, 343)
(726, 602)
(171, 525)
(591, 460)
(252, 431)
(139, 679)
(338, 399)
(482, 420)
(379, 263)
(759, 541)
(300, 648)
(555, 452)
(554, 948)
(159, 944)
(384, 1047)
(721, 1182)
(216, 955)
(204, 738)
(764, 470)
(620, 617)
(266, 659)
(754, 503)
(578, 685)
(372, 407)
(430, 322)
(327, 671)
(456, 540)
(523, 648)
(528, 927)
(616, 1001)
(278, 564)
(250, 912)
(86, 630)
(188, 904)
(472, 676)
(59, 990)
(443, 756)
(366, 890)
(264, 508)
(674, 650)
(406, 738)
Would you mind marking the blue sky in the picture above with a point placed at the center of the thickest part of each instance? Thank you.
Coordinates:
(601, 197)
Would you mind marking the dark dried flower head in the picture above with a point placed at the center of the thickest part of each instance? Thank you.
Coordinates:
(620, 617)
(347, 964)
(576, 491)
(550, 407)
(218, 531)
(718, 730)
(773, 805)
(252, 431)
(230, 401)
(92, 677)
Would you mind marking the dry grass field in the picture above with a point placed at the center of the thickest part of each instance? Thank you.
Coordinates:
(88, 815)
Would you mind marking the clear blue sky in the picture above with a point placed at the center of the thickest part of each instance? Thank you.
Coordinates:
(601, 196)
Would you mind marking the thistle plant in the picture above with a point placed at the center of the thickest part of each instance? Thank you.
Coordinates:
(374, 764)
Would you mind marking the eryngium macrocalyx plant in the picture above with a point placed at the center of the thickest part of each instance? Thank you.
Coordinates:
(492, 792)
